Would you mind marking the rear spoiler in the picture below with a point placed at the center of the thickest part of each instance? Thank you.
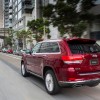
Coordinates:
(80, 40)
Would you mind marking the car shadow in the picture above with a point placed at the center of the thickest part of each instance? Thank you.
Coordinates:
(37, 81)
(76, 93)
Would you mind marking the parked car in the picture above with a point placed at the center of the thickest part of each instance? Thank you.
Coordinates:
(4, 50)
(19, 52)
(27, 51)
(9, 51)
(16, 52)
(23, 51)
(64, 63)
(0, 50)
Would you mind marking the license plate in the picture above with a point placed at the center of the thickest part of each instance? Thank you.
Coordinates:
(94, 62)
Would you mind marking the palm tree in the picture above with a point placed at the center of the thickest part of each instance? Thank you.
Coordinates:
(23, 35)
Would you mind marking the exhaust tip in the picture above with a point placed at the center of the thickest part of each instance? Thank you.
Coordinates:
(77, 85)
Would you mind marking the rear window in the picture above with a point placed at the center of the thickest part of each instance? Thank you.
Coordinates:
(79, 48)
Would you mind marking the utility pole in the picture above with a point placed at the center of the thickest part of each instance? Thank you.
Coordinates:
(35, 9)
(4, 27)
(44, 22)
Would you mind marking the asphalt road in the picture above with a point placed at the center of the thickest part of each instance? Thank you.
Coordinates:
(15, 87)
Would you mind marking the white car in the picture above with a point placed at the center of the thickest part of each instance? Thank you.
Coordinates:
(4, 50)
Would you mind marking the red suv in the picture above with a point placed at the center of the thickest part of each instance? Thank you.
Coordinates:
(64, 63)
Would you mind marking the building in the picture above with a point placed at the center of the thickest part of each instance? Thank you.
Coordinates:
(22, 12)
(95, 27)
(10, 13)
(4, 21)
(93, 30)
(1, 14)
(1, 22)
(6, 13)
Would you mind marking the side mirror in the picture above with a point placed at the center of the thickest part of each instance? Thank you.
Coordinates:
(29, 52)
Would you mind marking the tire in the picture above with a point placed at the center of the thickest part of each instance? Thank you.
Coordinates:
(51, 84)
(23, 70)
(93, 85)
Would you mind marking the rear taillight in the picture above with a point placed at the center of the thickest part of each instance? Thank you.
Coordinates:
(72, 59)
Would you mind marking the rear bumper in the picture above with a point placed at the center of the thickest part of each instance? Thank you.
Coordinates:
(79, 83)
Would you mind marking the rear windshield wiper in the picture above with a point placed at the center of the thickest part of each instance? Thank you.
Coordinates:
(95, 51)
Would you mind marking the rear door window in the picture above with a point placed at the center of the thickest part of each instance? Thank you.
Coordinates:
(53, 46)
(44, 47)
(49, 47)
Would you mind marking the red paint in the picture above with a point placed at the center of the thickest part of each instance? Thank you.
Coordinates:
(9, 51)
(65, 71)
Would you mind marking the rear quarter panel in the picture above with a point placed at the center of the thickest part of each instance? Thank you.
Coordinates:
(56, 63)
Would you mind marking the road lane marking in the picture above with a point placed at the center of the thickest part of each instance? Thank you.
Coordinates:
(11, 56)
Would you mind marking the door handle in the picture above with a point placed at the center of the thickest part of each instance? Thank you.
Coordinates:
(33, 54)
(44, 55)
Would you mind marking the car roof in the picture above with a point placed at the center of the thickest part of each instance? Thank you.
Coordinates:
(51, 40)
(80, 40)
(70, 40)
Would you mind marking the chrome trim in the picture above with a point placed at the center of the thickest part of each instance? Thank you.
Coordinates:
(50, 52)
(51, 40)
(79, 82)
(93, 73)
(46, 53)
(35, 74)
(94, 55)
(73, 62)
(94, 64)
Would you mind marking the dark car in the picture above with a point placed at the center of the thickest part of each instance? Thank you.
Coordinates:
(0, 50)
(64, 63)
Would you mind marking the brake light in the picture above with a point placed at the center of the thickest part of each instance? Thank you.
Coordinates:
(71, 79)
(72, 59)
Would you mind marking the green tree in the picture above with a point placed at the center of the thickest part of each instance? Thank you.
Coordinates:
(8, 39)
(70, 16)
(37, 27)
(23, 35)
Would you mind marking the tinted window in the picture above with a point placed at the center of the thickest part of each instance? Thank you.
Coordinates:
(49, 47)
(36, 48)
(84, 48)
(54, 47)
(44, 47)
